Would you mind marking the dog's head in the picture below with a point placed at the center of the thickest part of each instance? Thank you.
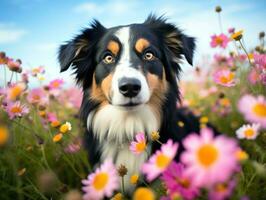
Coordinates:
(127, 65)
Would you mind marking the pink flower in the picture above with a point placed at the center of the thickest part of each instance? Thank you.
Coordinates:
(263, 78)
(37, 95)
(253, 76)
(231, 30)
(140, 145)
(248, 131)
(16, 109)
(208, 159)
(52, 117)
(159, 161)
(221, 191)
(56, 84)
(14, 65)
(37, 70)
(253, 109)
(103, 182)
(177, 183)
(73, 147)
(260, 61)
(224, 77)
(14, 91)
(219, 40)
(71, 97)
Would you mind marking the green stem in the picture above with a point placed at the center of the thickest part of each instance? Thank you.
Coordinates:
(123, 185)
(242, 46)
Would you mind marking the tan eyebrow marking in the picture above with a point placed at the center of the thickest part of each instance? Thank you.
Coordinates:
(113, 46)
(141, 44)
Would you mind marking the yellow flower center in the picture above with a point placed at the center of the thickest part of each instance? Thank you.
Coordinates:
(162, 161)
(36, 97)
(184, 182)
(140, 146)
(220, 187)
(15, 92)
(260, 109)
(241, 155)
(134, 179)
(64, 128)
(249, 132)
(207, 155)
(219, 40)
(143, 193)
(227, 79)
(55, 84)
(100, 181)
(3, 135)
(16, 109)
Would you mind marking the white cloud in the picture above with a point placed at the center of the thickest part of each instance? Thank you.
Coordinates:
(10, 34)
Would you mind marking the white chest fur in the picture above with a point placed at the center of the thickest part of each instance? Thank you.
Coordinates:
(115, 127)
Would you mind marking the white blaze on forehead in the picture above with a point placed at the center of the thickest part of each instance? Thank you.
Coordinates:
(123, 34)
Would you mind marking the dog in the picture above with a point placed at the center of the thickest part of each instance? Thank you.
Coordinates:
(129, 76)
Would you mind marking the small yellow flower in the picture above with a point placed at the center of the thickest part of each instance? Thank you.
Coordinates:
(251, 56)
(143, 193)
(42, 113)
(118, 196)
(204, 120)
(155, 135)
(241, 155)
(65, 127)
(55, 123)
(57, 137)
(134, 179)
(237, 35)
(180, 124)
(4, 135)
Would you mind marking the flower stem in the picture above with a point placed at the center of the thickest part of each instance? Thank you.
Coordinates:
(123, 185)
(5, 76)
(220, 22)
(159, 142)
(242, 46)
(11, 77)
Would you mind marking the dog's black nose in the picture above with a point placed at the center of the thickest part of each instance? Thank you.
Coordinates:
(129, 87)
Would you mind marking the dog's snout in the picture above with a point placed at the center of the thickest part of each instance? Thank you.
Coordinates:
(129, 87)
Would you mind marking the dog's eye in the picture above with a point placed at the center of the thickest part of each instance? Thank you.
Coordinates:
(108, 59)
(149, 56)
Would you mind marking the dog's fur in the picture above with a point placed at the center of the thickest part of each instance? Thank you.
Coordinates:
(149, 52)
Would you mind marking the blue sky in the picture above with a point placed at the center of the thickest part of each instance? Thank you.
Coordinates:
(33, 29)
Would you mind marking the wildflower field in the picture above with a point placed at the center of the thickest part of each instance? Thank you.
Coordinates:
(41, 148)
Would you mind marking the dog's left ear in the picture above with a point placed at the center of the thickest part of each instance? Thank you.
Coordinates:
(176, 41)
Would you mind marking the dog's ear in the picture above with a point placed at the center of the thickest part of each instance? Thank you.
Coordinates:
(78, 48)
(175, 40)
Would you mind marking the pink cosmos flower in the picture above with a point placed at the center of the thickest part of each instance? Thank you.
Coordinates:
(207, 160)
(14, 91)
(159, 161)
(103, 182)
(56, 84)
(248, 131)
(138, 146)
(254, 76)
(16, 109)
(71, 97)
(177, 183)
(231, 30)
(253, 109)
(263, 77)
(221, 191)
(14, 65)
(37, 95)
(52, 117)
(219, 40)
(224, 77)
(260, 61)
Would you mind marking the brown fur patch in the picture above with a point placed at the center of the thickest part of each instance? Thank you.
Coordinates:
(158, 89)
(97, 93)
(113, 47)
(141, 44)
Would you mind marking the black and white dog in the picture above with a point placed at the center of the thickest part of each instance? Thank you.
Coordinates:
(129, 76)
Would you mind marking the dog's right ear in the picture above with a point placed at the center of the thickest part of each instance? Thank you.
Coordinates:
(78, 48)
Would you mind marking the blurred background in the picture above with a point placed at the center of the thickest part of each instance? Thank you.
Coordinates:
(32, 30)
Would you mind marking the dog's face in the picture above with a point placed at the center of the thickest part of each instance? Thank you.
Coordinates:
(127, 66)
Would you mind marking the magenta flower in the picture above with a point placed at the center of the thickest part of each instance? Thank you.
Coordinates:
(253, 109)
(177, 183)
(37, 95)
(138, 146)
(231, 30)
(16, 109)
(103, 182)
(207, 160)
(219, 41)
(221, 191)
(159, 161)
(254, 76)
(224, 77)
(52, 117)
(260, 61)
